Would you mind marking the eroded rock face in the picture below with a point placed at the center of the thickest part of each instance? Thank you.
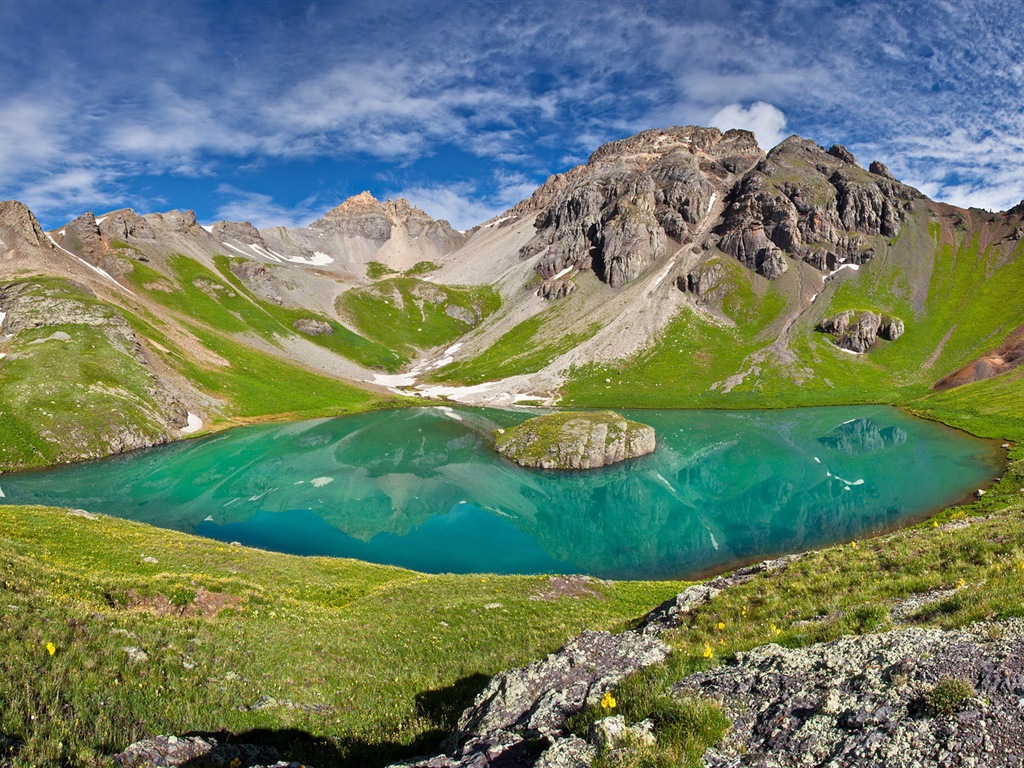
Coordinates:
(857, 331)
(575, 440)
(817, 206)
(19, 228)
(618, 214)
(82, 236)
(125, 225)
(237, 232)
(556, 289)
(260, 279)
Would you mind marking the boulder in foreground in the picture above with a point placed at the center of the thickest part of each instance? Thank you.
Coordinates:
(575, 440)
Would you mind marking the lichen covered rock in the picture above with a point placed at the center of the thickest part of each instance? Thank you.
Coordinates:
(575, 440)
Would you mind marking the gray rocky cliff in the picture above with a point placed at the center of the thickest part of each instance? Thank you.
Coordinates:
(816, 206)
(620, 212)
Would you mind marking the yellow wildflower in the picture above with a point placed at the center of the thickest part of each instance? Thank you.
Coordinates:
(709, 652)
(853, 544)
(721, 626)
(608, 701)
(51, 648)
(776, 631)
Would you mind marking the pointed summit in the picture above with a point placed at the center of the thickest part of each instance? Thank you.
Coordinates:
(19, 227)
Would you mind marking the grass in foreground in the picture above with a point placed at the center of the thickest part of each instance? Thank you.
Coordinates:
(364, 663)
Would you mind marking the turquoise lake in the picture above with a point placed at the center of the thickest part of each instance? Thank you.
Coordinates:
(422, 488)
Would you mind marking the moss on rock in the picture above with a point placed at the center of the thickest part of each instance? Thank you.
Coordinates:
(575, 440)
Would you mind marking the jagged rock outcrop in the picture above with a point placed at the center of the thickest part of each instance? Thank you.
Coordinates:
(82, 236)
(556, 289)
(19, 229)
(519, 719)
(867, 701)
(534, 702)
(237, 232)
(125, 224)
(816, 206)
(183, 222)
(618, 214)
(857, 331)
(364, 216)
(260, 279)
(575, 440)
(704, 283)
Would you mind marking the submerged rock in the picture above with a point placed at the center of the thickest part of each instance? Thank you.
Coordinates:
(575, 440)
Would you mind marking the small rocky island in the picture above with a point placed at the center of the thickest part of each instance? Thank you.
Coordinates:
(575, 440)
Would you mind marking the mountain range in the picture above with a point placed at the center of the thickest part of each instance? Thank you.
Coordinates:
(680, 267)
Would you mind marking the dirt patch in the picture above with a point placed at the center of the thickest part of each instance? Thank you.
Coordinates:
(568, 586)
(1009, 355)
(205, 603)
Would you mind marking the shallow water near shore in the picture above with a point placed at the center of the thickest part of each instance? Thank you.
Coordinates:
(422, 488)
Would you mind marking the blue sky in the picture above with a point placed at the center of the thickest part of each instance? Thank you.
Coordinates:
(274, 112)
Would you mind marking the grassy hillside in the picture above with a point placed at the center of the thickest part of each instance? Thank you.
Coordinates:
(364, 663)
(528, 347)
(226, 305)
(72, 383)
(408, 314)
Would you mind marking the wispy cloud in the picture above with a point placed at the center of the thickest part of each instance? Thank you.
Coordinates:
(262, 210)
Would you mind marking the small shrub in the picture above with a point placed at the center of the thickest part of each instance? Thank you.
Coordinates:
(948, 696)
(421, 268)
(375, 270)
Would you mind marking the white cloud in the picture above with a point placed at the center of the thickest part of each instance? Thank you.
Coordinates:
(463, 205)
(766, 121)
(262, 211)
(458, 204)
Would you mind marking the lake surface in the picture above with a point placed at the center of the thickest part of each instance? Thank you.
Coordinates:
(422, 488)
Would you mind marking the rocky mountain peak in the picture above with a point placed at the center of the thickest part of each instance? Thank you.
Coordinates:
(814, 205)
(365, 216)
(633, 199)
(124, 224)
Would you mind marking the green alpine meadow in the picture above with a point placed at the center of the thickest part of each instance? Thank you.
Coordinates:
(538, 385)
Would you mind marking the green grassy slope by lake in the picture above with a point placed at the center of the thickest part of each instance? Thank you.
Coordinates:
(377, 661)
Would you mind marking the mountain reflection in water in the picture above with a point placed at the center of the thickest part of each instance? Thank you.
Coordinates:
(423, 488)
